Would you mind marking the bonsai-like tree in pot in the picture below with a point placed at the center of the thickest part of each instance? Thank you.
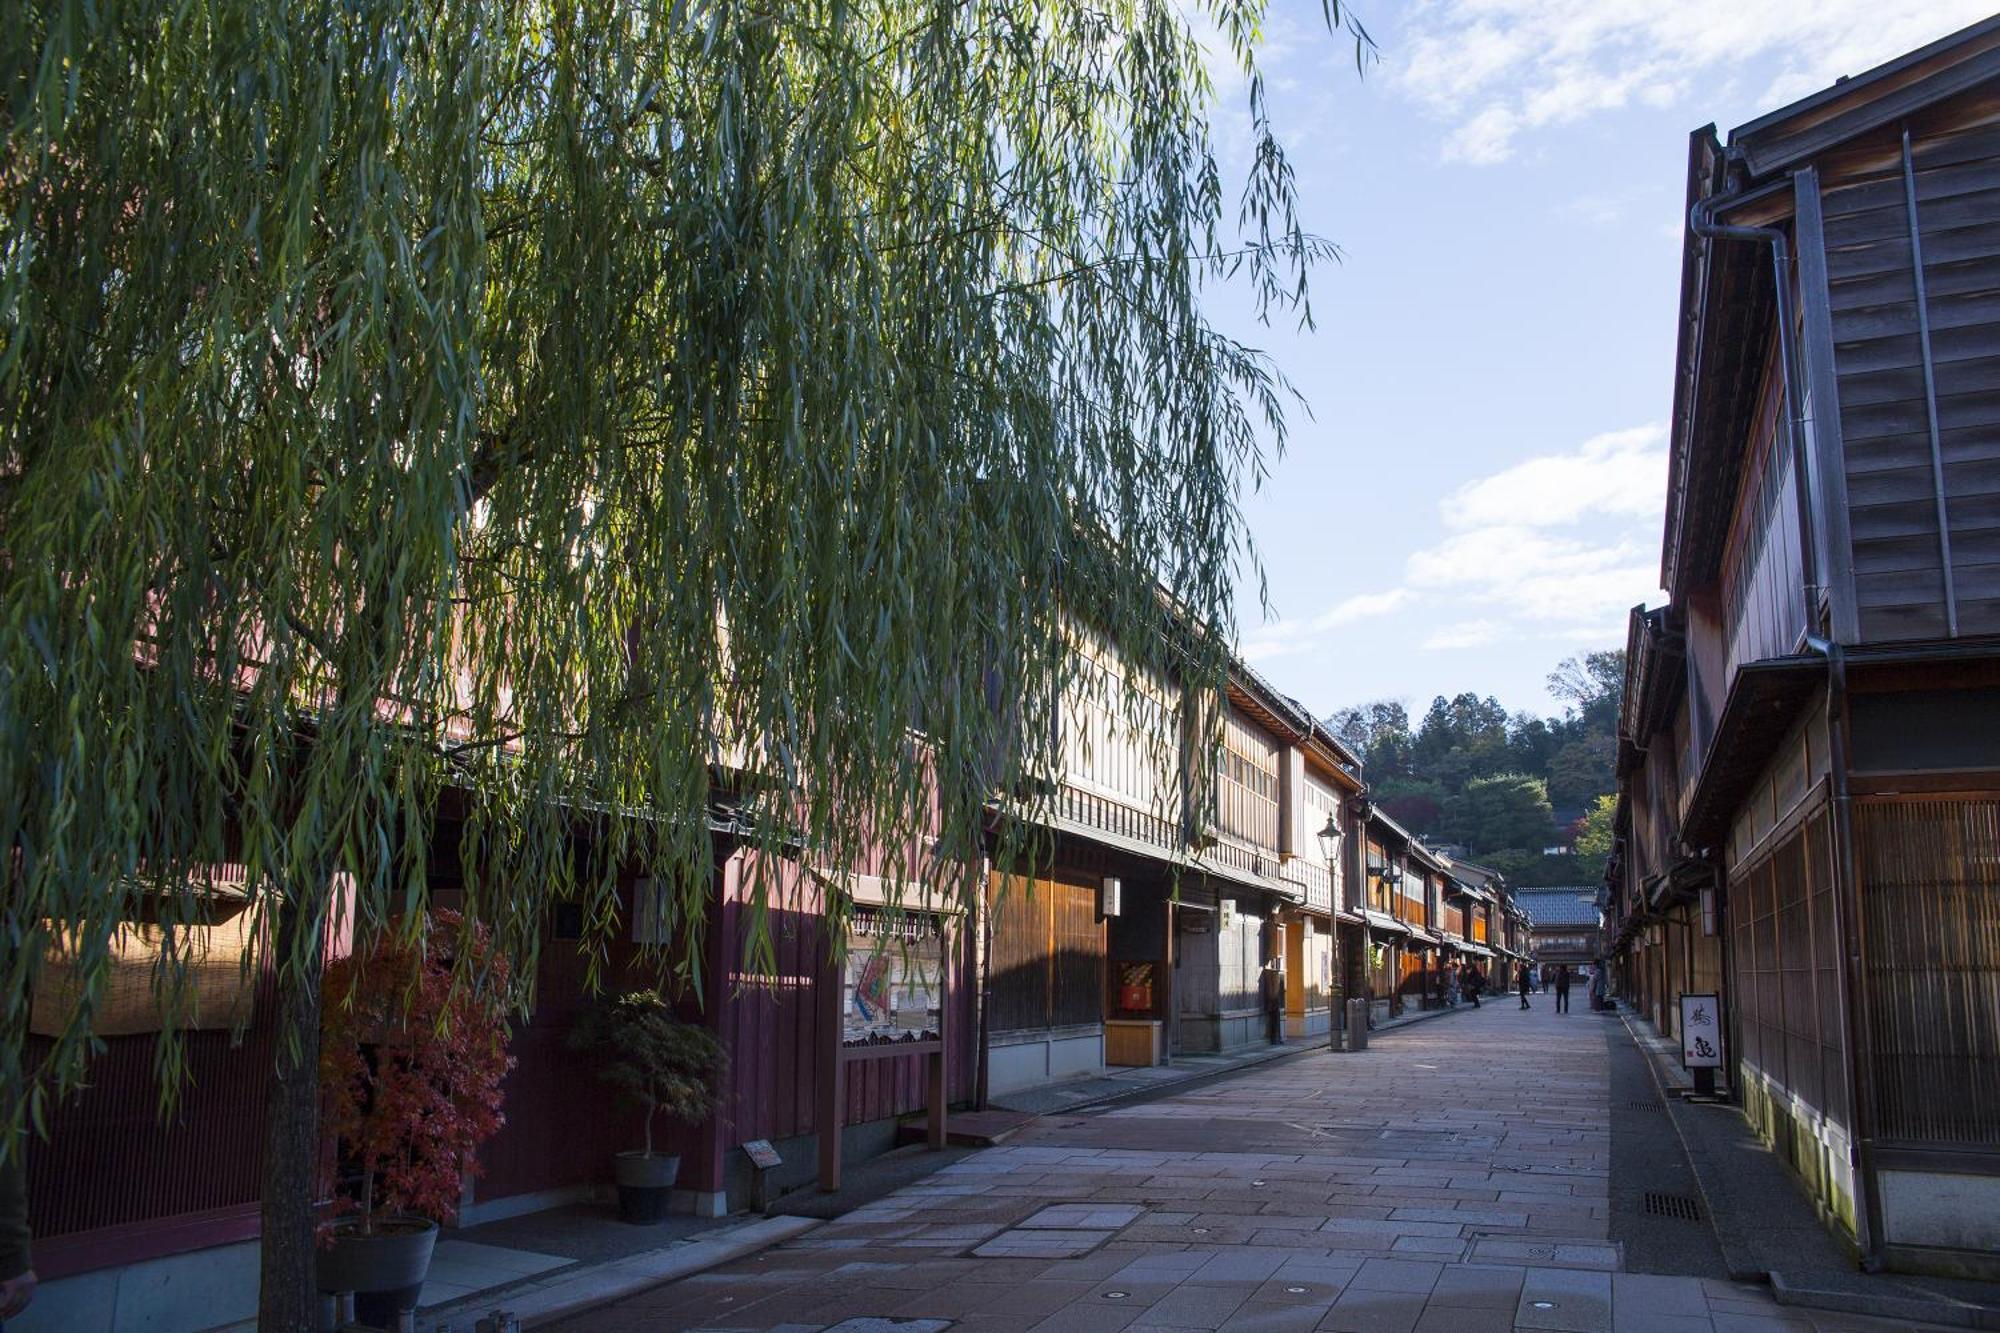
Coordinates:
(412, 1059)
(660, 1064)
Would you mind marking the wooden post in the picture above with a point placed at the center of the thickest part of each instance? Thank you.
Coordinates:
(937, 1062)
(1169, 1006)
(935, 1077)
(830, 1070)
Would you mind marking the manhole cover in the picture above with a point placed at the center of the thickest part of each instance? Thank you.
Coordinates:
(1673, 1205)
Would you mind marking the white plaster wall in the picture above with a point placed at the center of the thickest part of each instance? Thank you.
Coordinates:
(1026, 1063)
(1938, 1209)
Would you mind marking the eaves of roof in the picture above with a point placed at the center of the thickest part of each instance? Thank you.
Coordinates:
(1851, 107)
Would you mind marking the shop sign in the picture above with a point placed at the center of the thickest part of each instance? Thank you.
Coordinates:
(1135, 987)
(1701, 1032)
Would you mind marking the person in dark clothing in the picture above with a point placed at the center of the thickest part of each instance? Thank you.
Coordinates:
(17, 1273)
(1471, 983)
(1562, 989)
(1274, 1001)
(1521, 980)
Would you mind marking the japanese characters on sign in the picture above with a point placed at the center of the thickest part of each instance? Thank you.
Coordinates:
(1701, 1032)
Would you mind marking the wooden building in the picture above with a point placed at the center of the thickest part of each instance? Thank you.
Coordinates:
(1562, 926)
(1131, 943)
(130, 1210)
(1825, 771)
(1473, 894)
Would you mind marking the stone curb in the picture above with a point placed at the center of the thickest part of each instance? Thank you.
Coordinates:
(577, 1291)
(1939, 1310)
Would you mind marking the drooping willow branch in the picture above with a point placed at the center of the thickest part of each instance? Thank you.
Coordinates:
(565, 422)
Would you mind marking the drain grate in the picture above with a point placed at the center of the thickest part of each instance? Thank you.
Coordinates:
(1673, 1205)
(1644, 1106)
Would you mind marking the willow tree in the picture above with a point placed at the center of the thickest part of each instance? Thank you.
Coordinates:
(561, 413)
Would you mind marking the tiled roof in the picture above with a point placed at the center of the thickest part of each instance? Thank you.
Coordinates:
(1570, 906)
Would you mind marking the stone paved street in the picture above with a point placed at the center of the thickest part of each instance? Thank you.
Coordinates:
(1455, 1178)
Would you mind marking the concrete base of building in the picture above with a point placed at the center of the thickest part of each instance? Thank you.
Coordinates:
(478, 1212)
(1941, 1222)
(1027, 1059)
(700, 1203)
(1311, 1023)
(1230, 1030)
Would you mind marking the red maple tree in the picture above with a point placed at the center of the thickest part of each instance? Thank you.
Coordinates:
(411, 1066)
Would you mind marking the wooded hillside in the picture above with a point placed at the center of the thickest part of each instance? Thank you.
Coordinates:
(1505, 787)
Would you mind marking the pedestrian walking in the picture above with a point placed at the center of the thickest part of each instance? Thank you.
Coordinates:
(1474, 979)
(1562, 989)
(1521, 979)
(17, 1272)
(1274, 1001)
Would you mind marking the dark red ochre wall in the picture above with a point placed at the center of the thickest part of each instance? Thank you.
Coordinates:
(118, 1183)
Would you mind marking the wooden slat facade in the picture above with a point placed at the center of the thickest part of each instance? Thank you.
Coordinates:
(1919, 385)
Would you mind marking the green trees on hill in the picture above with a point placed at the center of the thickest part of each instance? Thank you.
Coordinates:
(1508, 810)
(1508, 787)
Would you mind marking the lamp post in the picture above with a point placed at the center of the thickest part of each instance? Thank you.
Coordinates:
(1329, 842)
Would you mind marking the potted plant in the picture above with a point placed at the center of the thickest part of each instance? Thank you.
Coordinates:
(411, 1063)
(662, 1065)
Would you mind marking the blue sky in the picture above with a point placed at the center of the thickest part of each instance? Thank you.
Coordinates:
(1478, 491)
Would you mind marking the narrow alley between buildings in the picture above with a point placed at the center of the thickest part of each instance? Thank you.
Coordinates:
(1461, 1175)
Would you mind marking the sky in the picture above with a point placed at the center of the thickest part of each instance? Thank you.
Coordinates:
(1476, 488)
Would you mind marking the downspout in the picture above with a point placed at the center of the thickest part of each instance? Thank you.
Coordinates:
(1861, 1082)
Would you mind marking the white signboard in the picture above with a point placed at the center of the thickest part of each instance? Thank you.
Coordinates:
(1701, 1032)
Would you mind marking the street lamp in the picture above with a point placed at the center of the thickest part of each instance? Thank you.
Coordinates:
(1329, 842)
(1329, 838)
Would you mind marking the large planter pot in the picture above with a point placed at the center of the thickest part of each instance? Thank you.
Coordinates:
(385, 1268)
(645, 1185)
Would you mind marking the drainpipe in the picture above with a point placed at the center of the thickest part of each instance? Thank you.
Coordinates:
(1701, 220)
(1861, 1082)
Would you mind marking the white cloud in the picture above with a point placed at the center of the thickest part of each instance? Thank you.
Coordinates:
(1619, 472)
(1290, 637)
(1560, 545)
(1361, 606)
(1471, 634)
(1493, 70)
(1485, 139)
(1536, 576)
(1280, 638)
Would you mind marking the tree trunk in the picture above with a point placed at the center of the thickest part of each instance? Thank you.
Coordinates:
(286, 1296)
